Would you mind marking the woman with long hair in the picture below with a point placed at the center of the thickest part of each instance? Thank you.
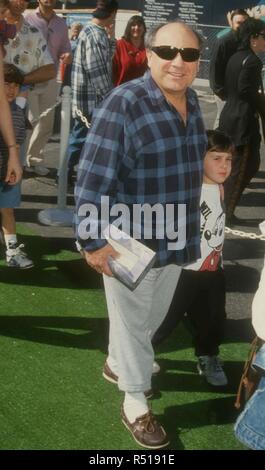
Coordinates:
(130, 60)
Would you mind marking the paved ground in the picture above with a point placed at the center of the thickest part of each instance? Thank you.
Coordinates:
(243, 257)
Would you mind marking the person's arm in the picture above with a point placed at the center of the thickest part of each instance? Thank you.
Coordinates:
(91, 77)
(99, 167)
(45, 68)
(14, 170)
(217, 69)
(98, 63)
(248, 85)
(42, 74)
(65, 53)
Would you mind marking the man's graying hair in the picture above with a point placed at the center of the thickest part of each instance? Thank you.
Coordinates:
(152, 32)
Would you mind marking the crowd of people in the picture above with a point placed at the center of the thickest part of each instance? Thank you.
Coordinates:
(146, 144)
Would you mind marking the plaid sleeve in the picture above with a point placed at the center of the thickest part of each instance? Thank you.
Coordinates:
(91, 71)
(78, 77)
(98, 171)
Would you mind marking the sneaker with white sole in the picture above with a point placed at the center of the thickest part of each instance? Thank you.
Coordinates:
(211, 368)
(17, 258)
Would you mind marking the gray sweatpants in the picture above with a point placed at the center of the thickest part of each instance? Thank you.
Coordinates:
(134, 317)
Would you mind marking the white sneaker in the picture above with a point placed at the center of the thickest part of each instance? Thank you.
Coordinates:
(156, 368)
(38, 170)
(211, 368)
(16, 258)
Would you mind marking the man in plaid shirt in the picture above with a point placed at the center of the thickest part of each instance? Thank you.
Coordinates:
(145, 146)
(91, 75)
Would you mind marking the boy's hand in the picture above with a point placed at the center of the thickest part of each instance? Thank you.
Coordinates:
(14, 169)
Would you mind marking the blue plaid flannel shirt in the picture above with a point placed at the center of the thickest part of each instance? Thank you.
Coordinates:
(139, 151)
(92, 69)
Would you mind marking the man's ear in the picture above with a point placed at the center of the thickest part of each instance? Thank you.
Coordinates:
(148, 55)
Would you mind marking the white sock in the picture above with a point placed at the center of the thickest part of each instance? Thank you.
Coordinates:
(10, 239)
(134, 405)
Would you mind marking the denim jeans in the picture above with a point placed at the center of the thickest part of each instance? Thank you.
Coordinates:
(76, 142)
(250, 425)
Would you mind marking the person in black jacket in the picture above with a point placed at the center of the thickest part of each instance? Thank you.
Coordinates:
(224, 48)
(244, 104)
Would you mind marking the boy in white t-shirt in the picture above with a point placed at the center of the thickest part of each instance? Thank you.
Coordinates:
(200, 293)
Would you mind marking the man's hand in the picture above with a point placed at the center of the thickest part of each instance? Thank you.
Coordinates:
(98, 259)
(66, 58)
(14, 169)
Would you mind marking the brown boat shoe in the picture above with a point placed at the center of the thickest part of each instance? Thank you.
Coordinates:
(113, 378)
(146, 431)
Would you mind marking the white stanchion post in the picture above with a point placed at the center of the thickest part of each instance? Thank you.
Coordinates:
(63, 163)
(61, 215)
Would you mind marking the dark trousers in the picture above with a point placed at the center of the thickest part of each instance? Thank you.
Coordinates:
(245, 165)
(201, 296)
(76, 142)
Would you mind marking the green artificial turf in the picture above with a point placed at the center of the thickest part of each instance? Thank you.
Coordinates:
(53, 343)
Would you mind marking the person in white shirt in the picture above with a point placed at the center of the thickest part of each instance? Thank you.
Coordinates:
(200, 292)
(29, 53)
(43, 97)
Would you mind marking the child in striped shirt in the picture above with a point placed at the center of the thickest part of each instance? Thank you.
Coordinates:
(10, 195)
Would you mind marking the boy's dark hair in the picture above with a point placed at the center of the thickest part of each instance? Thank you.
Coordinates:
(219, 141)
(136, 19)
(12, 74)
(239, 11)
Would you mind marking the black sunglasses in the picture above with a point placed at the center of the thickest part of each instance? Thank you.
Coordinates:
(188, 54)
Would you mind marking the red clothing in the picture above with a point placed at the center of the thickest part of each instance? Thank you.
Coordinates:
(129, 62)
